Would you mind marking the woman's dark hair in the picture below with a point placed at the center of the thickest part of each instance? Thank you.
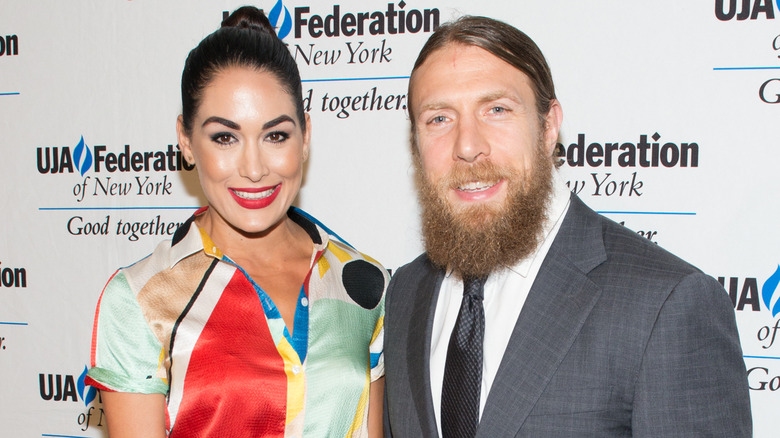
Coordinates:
(245, 39)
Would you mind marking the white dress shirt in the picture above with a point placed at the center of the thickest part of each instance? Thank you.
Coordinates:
(505, 294)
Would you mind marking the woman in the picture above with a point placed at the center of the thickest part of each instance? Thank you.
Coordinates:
(254, 320)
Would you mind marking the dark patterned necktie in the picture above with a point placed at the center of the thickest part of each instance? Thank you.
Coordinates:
(463, 367)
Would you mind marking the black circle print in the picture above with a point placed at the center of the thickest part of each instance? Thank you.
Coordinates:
(364, 283)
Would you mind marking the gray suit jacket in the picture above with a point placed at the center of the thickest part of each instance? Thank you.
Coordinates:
(617, 338)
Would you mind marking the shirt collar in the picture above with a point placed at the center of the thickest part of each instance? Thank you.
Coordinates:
(187, 244)
(196, 239)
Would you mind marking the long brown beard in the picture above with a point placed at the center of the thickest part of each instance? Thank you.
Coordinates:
(475, 241)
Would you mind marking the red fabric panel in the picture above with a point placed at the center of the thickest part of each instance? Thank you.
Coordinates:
(235, 384)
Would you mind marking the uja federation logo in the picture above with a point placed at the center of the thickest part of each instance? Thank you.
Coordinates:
(749, 293)
(60, 160)
(769, 292)
(82, 158)
(725, 10)
(58, 387)
(82, 163)
(280, 19)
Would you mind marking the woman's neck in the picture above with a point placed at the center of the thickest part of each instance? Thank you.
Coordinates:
(283, 241)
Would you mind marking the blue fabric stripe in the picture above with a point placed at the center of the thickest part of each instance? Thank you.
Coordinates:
(321, 225)
(300, 337)
(375, 359)
(271, 312)
(300, 340)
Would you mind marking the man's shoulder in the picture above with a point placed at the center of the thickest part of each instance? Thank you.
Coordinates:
(626, 259)
(411, 272)
(627, 248)
(624, 246)
(420, 263)
(635, 274)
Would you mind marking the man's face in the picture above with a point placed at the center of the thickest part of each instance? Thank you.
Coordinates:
(484, 158)
(471, 106)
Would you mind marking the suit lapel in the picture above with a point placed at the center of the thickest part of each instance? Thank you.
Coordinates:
(419, 347)
(557, 306)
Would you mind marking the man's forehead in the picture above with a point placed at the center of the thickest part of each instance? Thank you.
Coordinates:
(456, 53)
(453, 69)
(459, 56)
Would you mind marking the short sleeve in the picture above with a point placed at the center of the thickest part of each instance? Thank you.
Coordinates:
(126, 355)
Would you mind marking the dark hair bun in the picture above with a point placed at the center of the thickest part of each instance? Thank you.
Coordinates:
(249, 17)
(246, 39)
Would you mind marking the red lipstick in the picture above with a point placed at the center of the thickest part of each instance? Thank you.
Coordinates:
(255, 203)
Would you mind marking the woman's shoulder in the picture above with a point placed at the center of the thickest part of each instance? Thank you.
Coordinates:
(170, 267)
(342, 267)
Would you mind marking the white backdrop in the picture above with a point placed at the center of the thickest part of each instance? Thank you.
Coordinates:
(701, 77)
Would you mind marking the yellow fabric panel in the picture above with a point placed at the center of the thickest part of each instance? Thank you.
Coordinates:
(323, 266)
(296, 383)
(340, 254)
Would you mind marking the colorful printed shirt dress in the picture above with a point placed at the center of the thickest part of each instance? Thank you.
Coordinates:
(189, 323)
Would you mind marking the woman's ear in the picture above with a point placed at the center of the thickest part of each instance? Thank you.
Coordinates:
(306, 136)
(184, 141)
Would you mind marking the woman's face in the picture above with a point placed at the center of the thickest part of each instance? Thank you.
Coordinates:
(248, 147)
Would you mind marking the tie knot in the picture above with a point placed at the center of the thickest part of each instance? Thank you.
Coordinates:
(474, 287)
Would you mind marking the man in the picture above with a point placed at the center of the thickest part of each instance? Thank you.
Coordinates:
(529, 314)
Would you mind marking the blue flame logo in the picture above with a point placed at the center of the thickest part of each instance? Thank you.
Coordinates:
(768, 292)
(82, 149)
(86, 392)
(280, 11)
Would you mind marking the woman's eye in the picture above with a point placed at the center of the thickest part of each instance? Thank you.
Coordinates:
(223, 138)
(277, 137)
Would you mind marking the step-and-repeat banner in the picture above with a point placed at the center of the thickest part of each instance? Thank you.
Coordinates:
(671, 114)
